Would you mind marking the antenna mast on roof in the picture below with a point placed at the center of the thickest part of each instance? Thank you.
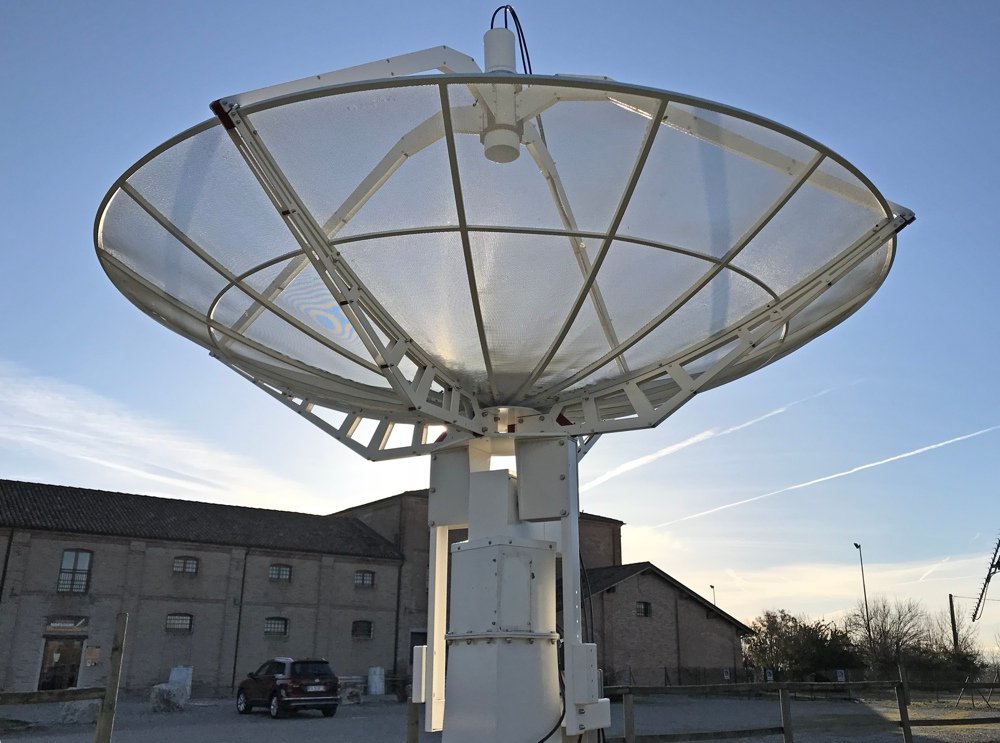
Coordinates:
(993, 569)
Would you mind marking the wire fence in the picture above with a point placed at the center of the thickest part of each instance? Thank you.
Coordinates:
(744, 710)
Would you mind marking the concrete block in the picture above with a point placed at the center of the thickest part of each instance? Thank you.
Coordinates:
(169, 697)
(83, 711)
(351, 689)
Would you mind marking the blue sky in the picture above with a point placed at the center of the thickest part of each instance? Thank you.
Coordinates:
(93, 393)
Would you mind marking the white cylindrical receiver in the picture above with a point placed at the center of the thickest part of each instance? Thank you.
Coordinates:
(498, 50)
(502, 145)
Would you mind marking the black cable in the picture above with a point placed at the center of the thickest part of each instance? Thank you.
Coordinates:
(525, 57)
(494, 18)
(590, 593)
(562, 714)
(525, 54)
(522, 44)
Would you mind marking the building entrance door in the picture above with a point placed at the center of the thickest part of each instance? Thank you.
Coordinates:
(60, 663)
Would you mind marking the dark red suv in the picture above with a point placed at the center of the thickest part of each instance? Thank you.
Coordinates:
(286, 684)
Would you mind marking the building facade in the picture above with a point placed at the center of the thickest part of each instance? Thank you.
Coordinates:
(651, 630)
(218, 588)
(222, 588)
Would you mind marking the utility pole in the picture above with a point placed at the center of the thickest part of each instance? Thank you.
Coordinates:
(864, 589)
(954, 626)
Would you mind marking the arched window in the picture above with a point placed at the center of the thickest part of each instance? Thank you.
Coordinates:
(362, 629)
(276, 627)
(364, 578)
(185, 565)
(280, 573)
(179, 622)
(74, 571)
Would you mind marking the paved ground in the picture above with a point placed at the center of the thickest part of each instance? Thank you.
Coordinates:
(216, 721)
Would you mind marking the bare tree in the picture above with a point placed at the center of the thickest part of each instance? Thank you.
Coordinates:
(991, 656)
(889, 632)
(942, 640)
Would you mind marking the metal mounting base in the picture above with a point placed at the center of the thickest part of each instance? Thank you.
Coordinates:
(503, 670)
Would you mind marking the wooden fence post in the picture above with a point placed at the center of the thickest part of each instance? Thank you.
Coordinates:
(905, 681)
(904, 716)
(106, 717)
(628, 712)
(786, 716)
(412, 722)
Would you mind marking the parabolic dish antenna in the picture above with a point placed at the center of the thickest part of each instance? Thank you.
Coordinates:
(427, 263)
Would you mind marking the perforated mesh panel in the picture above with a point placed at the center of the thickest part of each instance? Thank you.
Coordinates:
(366, 219)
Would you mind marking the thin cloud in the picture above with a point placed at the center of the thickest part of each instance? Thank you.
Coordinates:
(711, 433)
(826, 588)
(932, 568)
(835, 476)
(634, 464)
(115, 448)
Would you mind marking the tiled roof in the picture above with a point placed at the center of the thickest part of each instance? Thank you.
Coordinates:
(601, 579)
(594, 517)
(423, 493)
(29, 505)
(420, 494)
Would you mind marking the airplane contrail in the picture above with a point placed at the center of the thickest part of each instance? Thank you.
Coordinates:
(834, 476)
(932, 568)
(640, 461)
(696, 439)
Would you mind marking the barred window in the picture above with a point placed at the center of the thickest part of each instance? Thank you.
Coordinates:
(74, 572)
(362, 630)
(364, 578)
(643, 609)
(280, 573)
(276, 627)
(179, 622)
(185, 565)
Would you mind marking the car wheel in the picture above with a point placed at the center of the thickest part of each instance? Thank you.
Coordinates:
(329, 711)
(274, 707)
(242, 705)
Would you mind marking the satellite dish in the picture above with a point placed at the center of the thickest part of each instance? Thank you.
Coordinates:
(468, 263)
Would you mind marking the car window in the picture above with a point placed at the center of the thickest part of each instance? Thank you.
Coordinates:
(262, 670)
(277, 668)
(316, 669)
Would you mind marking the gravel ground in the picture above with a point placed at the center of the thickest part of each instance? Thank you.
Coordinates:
(819, 721)
(382, 719)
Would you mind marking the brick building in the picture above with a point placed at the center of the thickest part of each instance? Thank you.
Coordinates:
(222, 588)
(650, 629)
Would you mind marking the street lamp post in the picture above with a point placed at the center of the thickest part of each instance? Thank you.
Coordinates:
(713, 593)
(864, 590)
